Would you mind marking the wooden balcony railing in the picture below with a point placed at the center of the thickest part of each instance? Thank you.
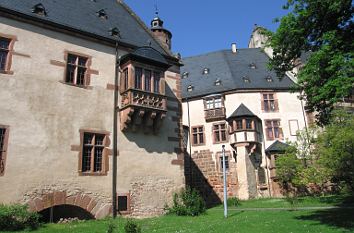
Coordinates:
(214, 114)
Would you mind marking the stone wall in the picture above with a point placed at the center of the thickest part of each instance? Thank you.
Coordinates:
(204, 174)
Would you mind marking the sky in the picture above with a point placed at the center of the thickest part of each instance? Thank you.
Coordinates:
(201, 26)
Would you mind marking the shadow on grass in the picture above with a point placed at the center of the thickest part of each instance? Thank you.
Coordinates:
(338, 217)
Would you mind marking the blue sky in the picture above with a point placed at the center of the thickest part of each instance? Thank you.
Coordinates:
(200, 26)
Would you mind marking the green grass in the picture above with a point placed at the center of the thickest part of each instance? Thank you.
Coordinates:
(324, 221)
(320, 201)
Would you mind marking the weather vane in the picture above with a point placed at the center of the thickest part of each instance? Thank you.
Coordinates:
(156, 10)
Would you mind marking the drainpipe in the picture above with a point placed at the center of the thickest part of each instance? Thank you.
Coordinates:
(115, 32)
(190, 146)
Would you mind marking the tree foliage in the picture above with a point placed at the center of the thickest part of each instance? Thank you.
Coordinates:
(326, 158)
(321, 30)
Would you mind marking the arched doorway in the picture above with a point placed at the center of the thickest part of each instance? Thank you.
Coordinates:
(56, 213)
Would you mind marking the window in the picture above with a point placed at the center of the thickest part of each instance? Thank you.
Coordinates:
(147, 79)
(244, 124)
(125, 78)
(212, 103)
(123, 203)
(76, 70)
(93, 153)
(3, 148)
(4, 53)
(273, 130)
(239, 124)
(219, 132)
(261, 177)
(138, 78)
(248, 124)
(226, 163)
(269, 103)
(157, 76)
(198, 135)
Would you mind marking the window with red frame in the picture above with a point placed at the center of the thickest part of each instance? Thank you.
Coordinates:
(76, 70)
(219, 132)
(4, 52)
(273, 130)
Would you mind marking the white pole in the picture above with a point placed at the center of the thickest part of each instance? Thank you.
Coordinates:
(224, 174)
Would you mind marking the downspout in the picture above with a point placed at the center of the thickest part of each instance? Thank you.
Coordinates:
(190, 146)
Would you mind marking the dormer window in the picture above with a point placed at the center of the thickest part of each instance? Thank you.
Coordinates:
(185, 75)
(253, 65)
(102, 14)
(206, 71)
(269, 79)
(217, 82)
(246, 79)
(190, 88)
(39, 9)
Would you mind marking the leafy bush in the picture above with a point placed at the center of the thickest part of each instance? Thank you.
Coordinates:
(187, 203)
(131, 227)
(17, 217)
(234, 201)
(111, 227)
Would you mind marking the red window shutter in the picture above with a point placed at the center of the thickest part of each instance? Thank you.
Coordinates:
(262, 102)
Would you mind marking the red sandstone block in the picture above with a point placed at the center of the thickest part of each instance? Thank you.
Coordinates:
(91, 205)
(103, 212)
(38, 203)
(48, 200)
(59, 198)
(70, 200)
(31, 206)
(85, 201)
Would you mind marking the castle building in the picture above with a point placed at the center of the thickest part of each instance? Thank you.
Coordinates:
(231, 98)
(57, 81)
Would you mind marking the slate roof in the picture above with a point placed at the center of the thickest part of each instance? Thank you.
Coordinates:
(277, 147)
(81, 15)
(147, 53)
(231, 69)
(242, 111)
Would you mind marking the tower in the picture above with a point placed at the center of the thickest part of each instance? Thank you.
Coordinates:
(160, 33)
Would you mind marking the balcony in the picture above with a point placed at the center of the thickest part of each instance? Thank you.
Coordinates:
(214, 114)
(141, 109)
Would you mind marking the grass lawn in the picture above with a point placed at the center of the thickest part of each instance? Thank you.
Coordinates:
(331, 220)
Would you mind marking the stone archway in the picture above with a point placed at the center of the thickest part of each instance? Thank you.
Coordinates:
(96, 208)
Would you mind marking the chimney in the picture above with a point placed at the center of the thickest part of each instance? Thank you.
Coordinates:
(233, 48)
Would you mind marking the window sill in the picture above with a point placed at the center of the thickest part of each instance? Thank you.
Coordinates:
(92, 173)
(78, 86)
(226, 141)
(198, 144)
(275, 111)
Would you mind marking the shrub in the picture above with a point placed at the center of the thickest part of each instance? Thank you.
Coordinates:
(234, 201)
(17, 217)
(131, 227)
(187, 203)
(111, 227)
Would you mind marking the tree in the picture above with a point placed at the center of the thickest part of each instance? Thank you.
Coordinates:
(335, 150)
(322, 30)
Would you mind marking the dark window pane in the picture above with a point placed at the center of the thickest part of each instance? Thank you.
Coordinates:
(4, 43)
(99, 139)
(2, 138)
(239, 124)
(82, 61)
(80, 76)
(86, 158)
(98, 159)
(156, 82)
(248, 124)
(122, 203)
(88, 138)
(70, 74)
(147, 80)
(223, 135)
(201, 138)
(126, 79)
(72, 59)
(3, 59)
(195, 138)
(138, 77)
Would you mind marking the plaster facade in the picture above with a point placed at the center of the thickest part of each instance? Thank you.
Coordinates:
(243, 177)
(45, 116)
